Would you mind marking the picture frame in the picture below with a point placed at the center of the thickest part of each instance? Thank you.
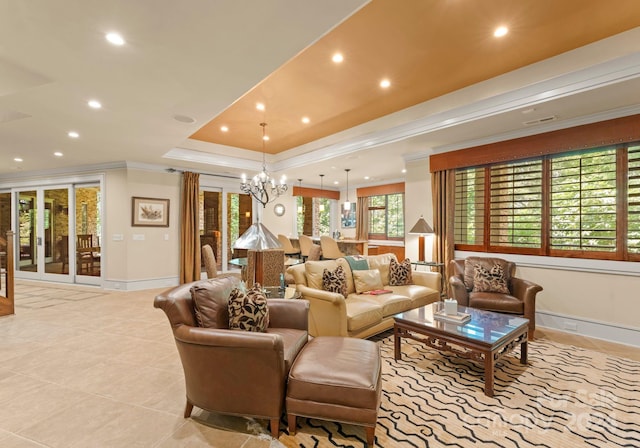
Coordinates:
(348, 217)
(149, 212)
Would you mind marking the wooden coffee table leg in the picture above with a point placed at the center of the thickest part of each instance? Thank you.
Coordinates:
(397, 351)
(523, 352)
(488, 374)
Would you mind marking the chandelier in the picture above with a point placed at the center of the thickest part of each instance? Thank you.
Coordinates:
(262, 186)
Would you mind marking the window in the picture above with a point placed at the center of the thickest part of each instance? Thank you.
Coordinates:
(386, 216)
(313, 216)
(516, 204)
(583, 202)
(577, 204)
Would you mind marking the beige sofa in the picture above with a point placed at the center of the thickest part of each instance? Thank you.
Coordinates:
(359, 315)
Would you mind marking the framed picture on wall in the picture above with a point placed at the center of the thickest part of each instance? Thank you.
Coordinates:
(149, 212)
(348, 218)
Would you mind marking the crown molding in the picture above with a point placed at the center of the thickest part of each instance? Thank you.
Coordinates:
(59, 172)
(540, 129)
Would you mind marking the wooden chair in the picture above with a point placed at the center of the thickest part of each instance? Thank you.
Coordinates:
(84, 256)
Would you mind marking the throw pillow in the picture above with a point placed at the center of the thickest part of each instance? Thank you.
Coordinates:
(485, 280)
(400, 273)
(211, 300)
(335, 281)
(487, 263)
(367, 280)
(248, 311)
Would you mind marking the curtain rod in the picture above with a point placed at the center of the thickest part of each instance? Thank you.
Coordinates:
(173, 170)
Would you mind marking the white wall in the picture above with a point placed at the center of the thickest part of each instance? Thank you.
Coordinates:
(145, 256)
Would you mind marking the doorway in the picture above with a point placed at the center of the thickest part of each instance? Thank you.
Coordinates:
(58, 233)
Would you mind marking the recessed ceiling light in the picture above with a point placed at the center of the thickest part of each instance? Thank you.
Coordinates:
(115, 38)
(265, 138)
(224, 128)
(337, 58)
(260, 106)
(184, 119)
(366, 177)
(335, 182)
(501, 31)
(73, 134)
(404, 170)
(385, 83)
(94, 104)
(58, 154)
(17, 159)
(305, 120)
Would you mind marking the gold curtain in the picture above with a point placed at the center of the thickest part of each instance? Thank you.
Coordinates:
(362, 218)
(190, 228)
(443, 190)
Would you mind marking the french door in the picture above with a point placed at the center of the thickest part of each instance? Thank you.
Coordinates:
(48, 221)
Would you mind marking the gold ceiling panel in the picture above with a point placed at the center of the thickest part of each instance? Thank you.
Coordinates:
(426, 48)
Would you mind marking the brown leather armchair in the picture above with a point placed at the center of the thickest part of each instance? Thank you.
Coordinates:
(231, 371)
(521, 299)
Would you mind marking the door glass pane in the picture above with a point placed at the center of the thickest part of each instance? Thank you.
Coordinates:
(238, 221)
(211, 224)
(27, 231)
(88, 230)
(5, 226)
(56, 231)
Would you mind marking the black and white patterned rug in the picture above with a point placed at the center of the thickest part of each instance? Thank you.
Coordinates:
(565, 397)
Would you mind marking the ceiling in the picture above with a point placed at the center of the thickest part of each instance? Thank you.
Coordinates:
(189, 68)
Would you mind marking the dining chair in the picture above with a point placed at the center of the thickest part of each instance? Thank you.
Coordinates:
(84, 257)
(289, 250)
(305, 245)
(211, 265)
(330, 249)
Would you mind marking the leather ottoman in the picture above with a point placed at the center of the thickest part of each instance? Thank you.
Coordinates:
(336, 378)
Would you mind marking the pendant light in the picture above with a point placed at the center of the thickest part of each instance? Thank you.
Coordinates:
(347, 205)
(321, 206)
(301, 206)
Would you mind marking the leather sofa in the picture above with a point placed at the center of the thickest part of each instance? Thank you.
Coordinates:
(359, 315)
(230, 371)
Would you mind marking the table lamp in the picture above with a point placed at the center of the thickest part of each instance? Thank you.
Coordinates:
(421, 228)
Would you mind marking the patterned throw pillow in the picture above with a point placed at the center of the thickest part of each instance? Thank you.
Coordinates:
(492, 280)
(248, 311)
(400, 273)
(335, 281)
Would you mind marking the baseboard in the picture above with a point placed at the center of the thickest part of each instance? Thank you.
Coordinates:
(137, 285)
(589, 328)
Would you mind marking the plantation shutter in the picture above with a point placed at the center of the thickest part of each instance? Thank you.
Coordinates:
(516, 204)
(583, 201)
(469, 211)
(633, 199)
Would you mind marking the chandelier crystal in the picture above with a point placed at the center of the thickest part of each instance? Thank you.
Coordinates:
(262, 186)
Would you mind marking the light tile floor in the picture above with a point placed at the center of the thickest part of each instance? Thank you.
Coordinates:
(83, 367)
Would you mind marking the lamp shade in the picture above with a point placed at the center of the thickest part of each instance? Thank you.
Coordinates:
(257, 237)
(421, 227)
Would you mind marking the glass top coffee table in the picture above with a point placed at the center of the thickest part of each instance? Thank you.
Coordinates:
(486, 337)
